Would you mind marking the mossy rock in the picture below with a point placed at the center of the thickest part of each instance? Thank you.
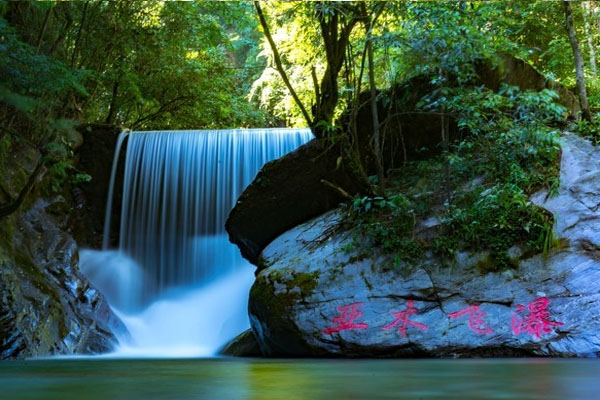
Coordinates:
(273, 297)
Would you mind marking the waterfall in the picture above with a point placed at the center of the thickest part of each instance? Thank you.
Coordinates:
(175, 276)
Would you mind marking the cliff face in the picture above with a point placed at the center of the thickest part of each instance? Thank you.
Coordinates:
(316, 297)
(47, 306)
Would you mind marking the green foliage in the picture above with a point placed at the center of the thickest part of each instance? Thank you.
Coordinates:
(587, 129)
(496, 219)
(446, 38)
(63, 171)
(386, 222)
(59, 157)
(171, 65)
(511, 139)
(143, 65)
(479, 189)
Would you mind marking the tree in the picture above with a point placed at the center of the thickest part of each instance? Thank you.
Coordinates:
(376, 139)
(142, 65)
(336, 22)
(579, 73)
(590, 39)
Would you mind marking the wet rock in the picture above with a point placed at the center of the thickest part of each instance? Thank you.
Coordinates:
(314, 297)
(47, 306)
(243, 345)
(290, 191)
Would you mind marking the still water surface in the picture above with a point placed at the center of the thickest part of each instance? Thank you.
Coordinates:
(148, 379)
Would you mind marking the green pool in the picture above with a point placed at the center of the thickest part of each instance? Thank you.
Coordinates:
(100, 378)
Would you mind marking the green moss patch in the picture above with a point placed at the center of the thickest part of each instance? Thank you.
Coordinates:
(299, 286)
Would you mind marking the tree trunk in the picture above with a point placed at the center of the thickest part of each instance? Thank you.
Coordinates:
(579, 74)
(13, 205)
(374, 113)
(336, 28)
(590, 40)
(112, 109)
(279, 65)
(336, 38)
(43, 30)
(377, 138)
(79, 32)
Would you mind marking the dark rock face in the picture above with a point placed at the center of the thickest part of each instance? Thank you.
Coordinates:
(290, 191)
(243, 345)
(411, 134)
(316, 298)
(95, 158)
(508, 69)
(47, 306)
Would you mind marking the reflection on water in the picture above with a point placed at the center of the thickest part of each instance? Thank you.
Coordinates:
(304, 379)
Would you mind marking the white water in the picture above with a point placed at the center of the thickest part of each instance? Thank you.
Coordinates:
(176, 282)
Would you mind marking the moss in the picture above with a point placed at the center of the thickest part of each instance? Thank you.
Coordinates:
(299, 286)
(264, 301)
(307, 282)
(496, 263)
(262, 263)
(487, 264)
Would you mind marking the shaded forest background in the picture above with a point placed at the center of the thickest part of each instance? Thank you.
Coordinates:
(173, 65)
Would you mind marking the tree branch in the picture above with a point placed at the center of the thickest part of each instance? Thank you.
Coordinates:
(165, 107)
(337, 189)
(278, 64)
(11, 207)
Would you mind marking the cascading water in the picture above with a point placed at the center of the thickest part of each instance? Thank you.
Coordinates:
(176, 281)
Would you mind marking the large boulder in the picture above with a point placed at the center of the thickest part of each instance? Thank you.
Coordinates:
(291, 190)
(412, 134)
(315, 297)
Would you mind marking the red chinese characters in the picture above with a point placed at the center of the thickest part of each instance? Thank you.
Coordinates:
(537, 322)
(345, 321)
(476, 322)
(403, 320)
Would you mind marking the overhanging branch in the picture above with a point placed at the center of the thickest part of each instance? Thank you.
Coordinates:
(278, 64)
